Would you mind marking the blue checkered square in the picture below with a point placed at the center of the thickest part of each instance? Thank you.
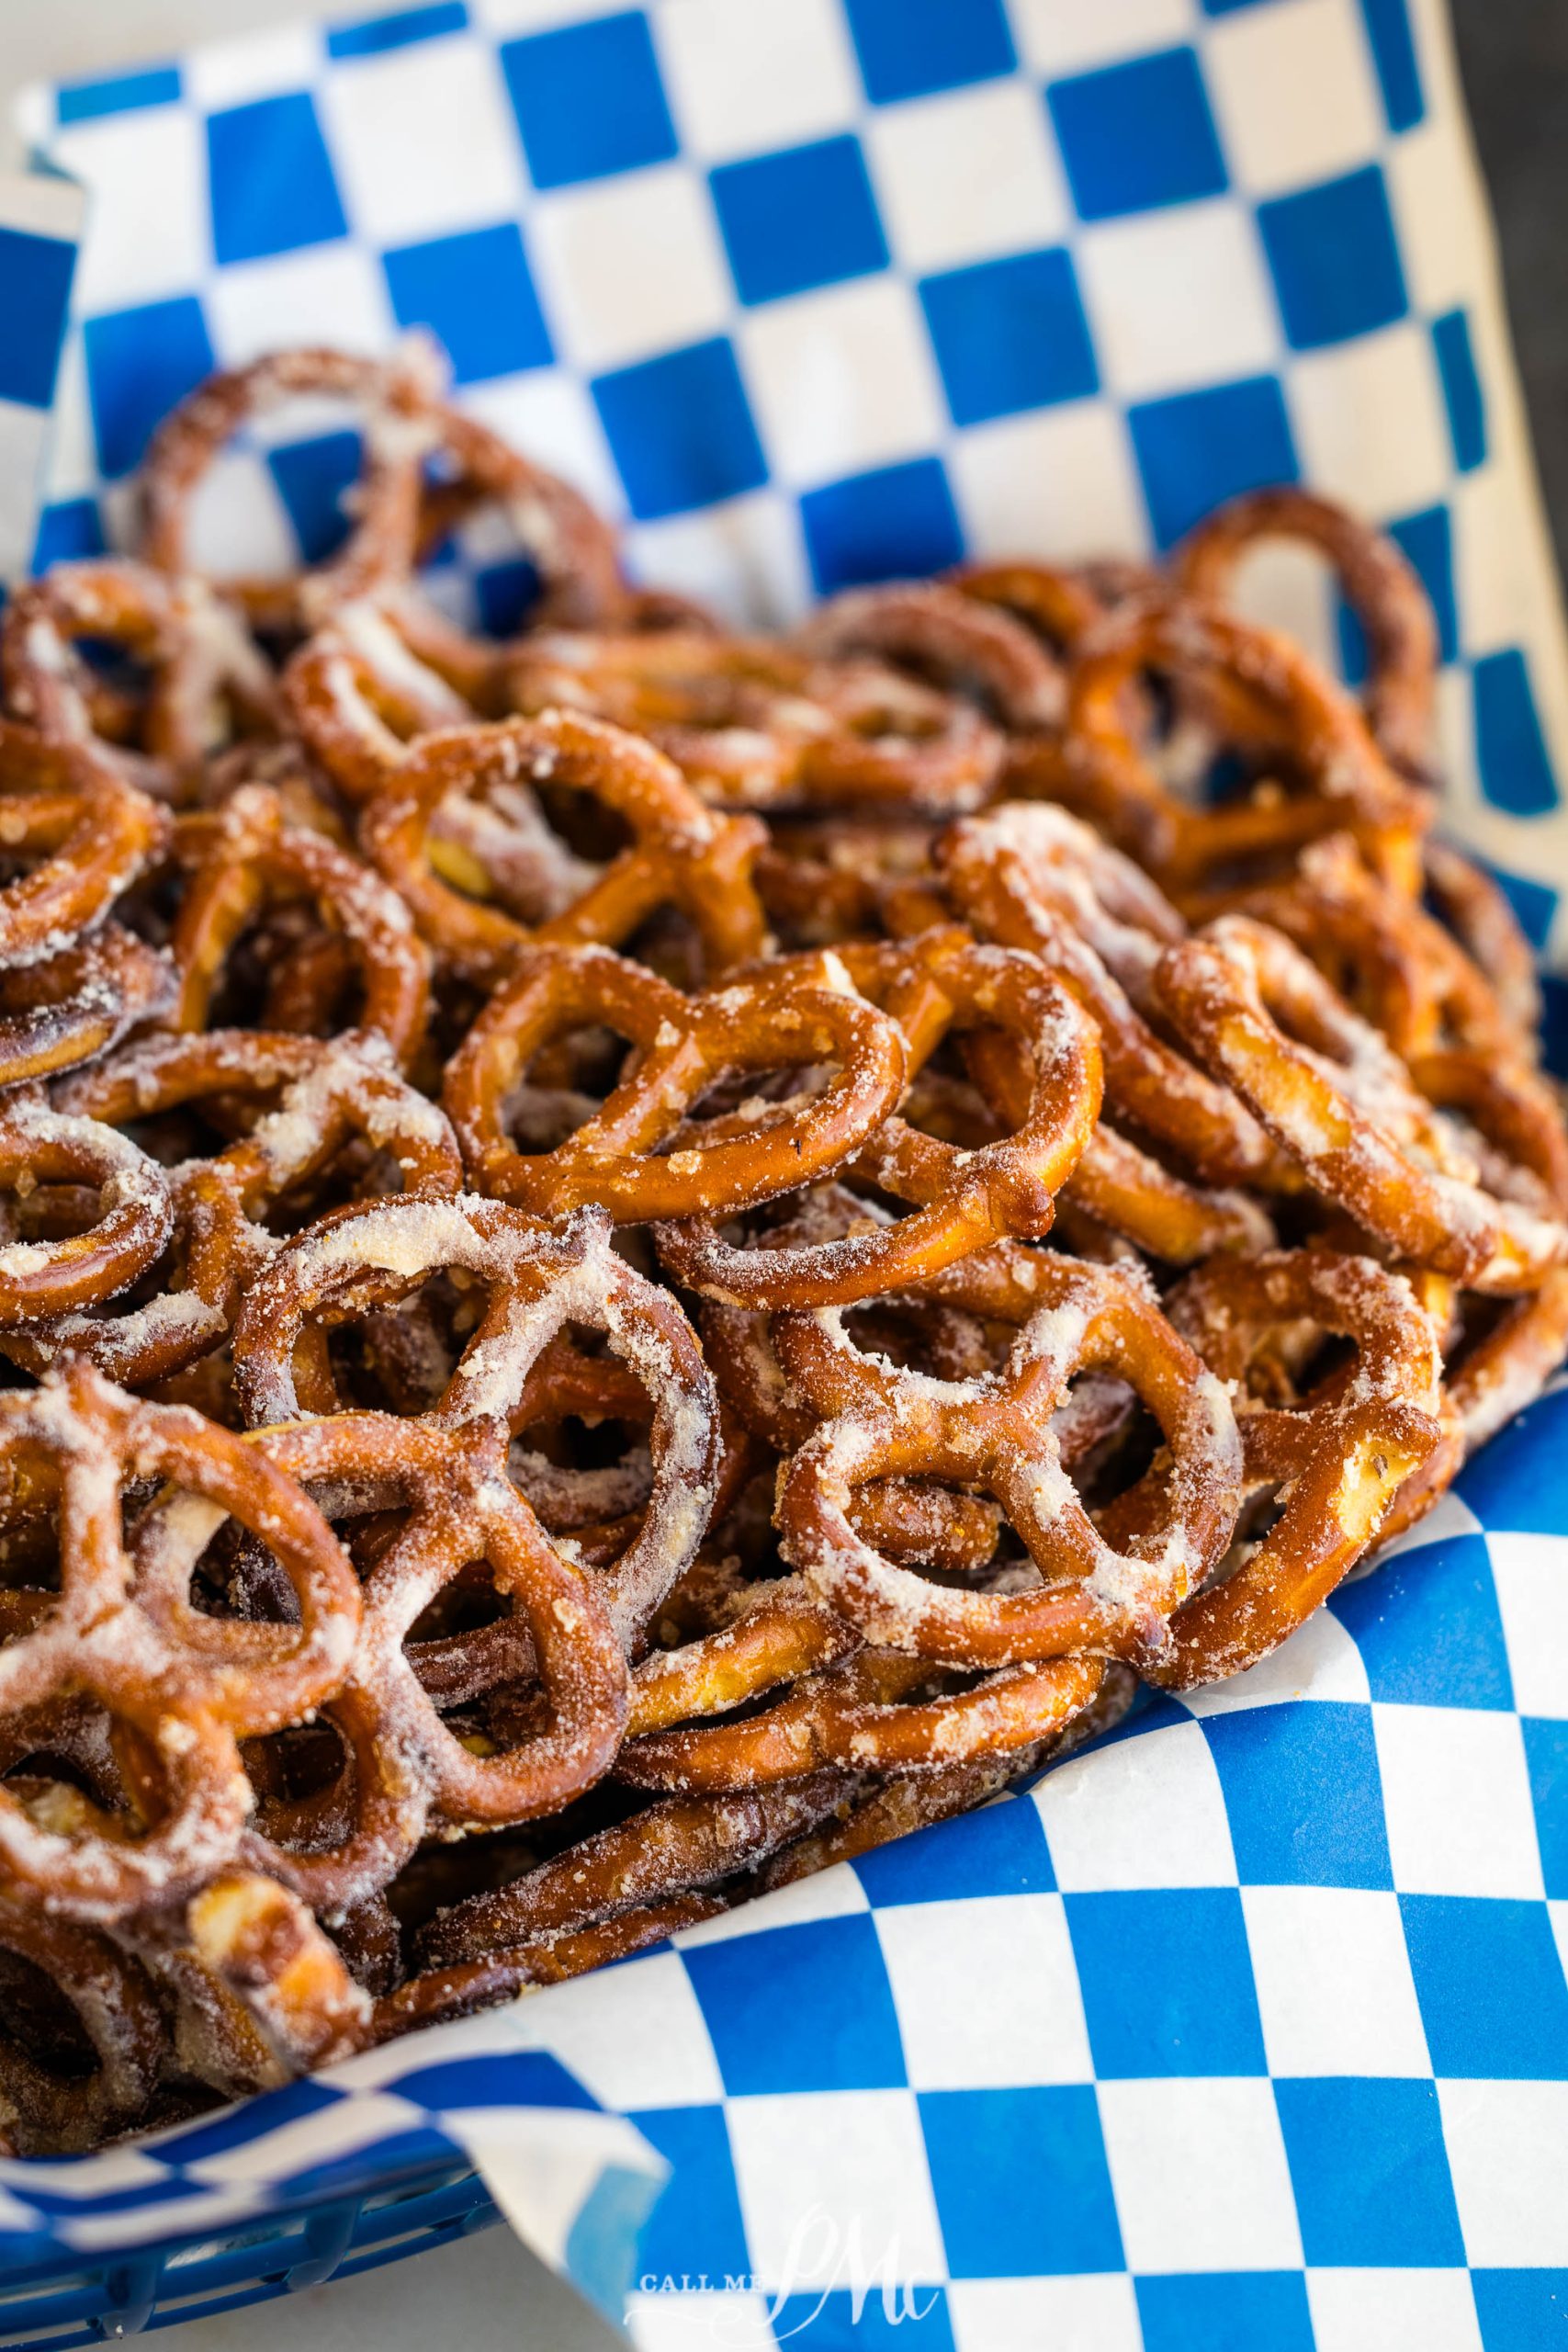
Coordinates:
(476, 293)
(504, 593)
(1166, 1981)
(1518, 2309)
(72, 528)
(1510, 749)
(803, 217)
(1335, 259)
(1010, 335)
(1463, 396)
(1427, 540)
(35, 287)
(1197, 449)
(908, 48)
(312, 478)
(1489, 1979)
(1226, 2312)
(1546, 1753)
(1136, 135)
(375, 36)
(1022, 2184)
(589, 100)
(1369, 2173)
(696, 2224)
(681, 430)
(768, 2040)
(1462, 1657)
(272, 183)
(140, 363)
(1503, 1484)
(1274, 1763)
(1001, 1849)
(1393, 54)
(154, 86)
(895, 524)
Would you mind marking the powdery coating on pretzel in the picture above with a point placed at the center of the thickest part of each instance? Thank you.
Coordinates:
(1099, 773)
(79, 1003)
(404, 1761)
(680, 853)
(397, 398)
(962, 1200)
(1376, 579)
(996, 1434)
(91, 832)
(246, 854)
(123, 1633)
(538, 1280)
(1330, 1093)
(258, 1941)
(754, 725)
(358, 699)
(776, 1018)
(205, 672)
(135, 1210)
(1338, 1462)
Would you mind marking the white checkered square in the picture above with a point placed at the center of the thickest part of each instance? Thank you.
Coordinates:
(1396, 2310)
(1221, 2135)
(1508, 2151)
(841, 380)
(1457, 1801)
(835, 2190)
(966, 175)
(1029, 2028)
(629, 267)
(1159, 1820)
(747, 81)
(1044, 2315)
(1335, 1990)
(423, 142)
(1177, 298)
(1293, 93)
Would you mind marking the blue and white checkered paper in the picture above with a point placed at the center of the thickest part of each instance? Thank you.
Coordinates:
(1250, 2026)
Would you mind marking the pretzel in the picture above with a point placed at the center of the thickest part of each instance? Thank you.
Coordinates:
(1338, 1463)
(1479, 914)
(756, 726)
(537, 1279)
(406, 1761)
(237, 859)
(356, 695)
(57, 2109)
(90, 832)
(79, 1003)
(1058, 605)
(962, 1200)
(261, 1943)
(779, 1018)
(134, 1212)
(210, 1209)
(1377, 580)
(439, 1995)
(826, 880)
(397, 398)
(1029, 875)
(957, 640)
(205, 671)
(1099, 773)
(122, 1632)
(680, 853)
(1345, 1109)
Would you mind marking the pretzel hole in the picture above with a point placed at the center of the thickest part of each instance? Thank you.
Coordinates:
(39, 2020)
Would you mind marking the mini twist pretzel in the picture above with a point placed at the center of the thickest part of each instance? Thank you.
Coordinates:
(90, 832)
(211, 1209)
(135, 1212)
(680, 854)
(1029, 876)
(58, 2110)
(237, 858)
(961, 643)
(451, 1481)
(395, 396)
(439, 1995)
(356, 695)
(1338, 1462)
(1330, 1093)
(1098, 771)
(1059, 605)
(756, 726)
(536, 1281)
(123, 1633)
(939, 982)
(204, 666)
(777, 1018)
(997, 1435)
(1377, 580)
(259, 1942)
(79, 1003)
(1477, 913)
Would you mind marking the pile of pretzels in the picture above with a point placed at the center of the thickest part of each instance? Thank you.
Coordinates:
(633, 1259)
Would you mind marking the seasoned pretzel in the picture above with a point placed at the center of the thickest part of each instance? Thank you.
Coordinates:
(205, 671)
(248, 852)
(134, 1216)
(957, 639)
(755, 726)
(260, 1942)
(779, 1018)
(1099, 773)
(680, 854)
(79, 1003)
(1330, 1093)
(536, 1281)
(962, 1200)
(90, 830)
(57, 2109)
(1338, 1463)
(123, 1633)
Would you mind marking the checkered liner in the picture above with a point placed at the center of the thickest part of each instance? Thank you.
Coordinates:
(1252, 2026)
(820, 290)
